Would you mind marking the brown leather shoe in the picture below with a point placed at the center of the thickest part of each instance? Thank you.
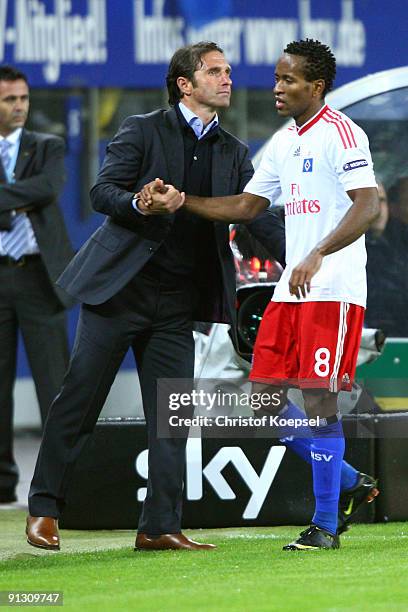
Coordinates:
(169, 541)
(42, 531)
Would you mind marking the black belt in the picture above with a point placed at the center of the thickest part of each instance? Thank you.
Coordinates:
(6, 260)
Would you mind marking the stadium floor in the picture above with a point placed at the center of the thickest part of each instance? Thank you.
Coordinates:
(98, 570)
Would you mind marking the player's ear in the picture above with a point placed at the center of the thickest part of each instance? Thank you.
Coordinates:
(318, 88)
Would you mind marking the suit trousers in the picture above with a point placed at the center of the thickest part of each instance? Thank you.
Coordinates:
(155, 320)
(28, 303)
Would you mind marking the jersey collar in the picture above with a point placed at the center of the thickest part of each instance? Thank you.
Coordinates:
(311, 122)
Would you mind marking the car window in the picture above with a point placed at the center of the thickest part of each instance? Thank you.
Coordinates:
(384, 118)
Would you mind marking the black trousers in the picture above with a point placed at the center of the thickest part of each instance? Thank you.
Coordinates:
(28, 303)
(155, 320)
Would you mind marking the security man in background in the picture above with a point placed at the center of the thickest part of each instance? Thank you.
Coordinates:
(34, 249)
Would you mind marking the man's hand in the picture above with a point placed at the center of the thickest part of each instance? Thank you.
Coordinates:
(156, 198)
(299, 282)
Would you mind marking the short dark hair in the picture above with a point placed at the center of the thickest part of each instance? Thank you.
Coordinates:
(320, 62)
(9, 73)
(185, 62)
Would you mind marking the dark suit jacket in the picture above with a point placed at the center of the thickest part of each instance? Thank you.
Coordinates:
(39, 177)
(146, 147)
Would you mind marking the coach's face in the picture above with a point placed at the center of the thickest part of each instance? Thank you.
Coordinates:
(211, 87)
(295, 96)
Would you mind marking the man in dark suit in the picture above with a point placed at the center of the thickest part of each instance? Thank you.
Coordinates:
(143, 279)
(34, 249)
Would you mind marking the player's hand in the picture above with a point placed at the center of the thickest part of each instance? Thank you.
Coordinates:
(158, 198)
(156, 186)
(302, 274)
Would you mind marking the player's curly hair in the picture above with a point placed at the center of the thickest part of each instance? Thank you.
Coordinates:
(320, 62)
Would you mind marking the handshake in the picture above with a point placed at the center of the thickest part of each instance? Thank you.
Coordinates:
(156, 198)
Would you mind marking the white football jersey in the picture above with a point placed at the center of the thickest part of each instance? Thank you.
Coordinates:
(310, 169)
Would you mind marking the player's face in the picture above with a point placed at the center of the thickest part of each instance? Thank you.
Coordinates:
(14, 103)
(211, 88)
(296, 97)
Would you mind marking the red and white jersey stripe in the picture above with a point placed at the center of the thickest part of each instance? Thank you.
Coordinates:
(343, 127)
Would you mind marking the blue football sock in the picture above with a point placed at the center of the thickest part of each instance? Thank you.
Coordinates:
(327, 452)
(349, 476)
(301, 446)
